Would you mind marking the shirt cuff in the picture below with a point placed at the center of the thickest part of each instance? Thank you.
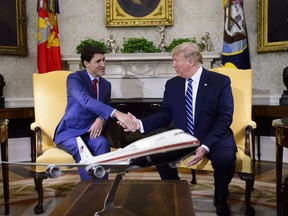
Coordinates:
(205, 147)
(112, 113)
(141, 129)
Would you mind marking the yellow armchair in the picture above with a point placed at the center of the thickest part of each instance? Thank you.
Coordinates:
(50, 99)
(242, 125)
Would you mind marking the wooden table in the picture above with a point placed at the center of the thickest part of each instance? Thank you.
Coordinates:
(137, 197)
(266, 111)
(21, 113)
(281, 126)
(4, 157)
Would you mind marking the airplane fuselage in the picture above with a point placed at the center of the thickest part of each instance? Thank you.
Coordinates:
(161, 148)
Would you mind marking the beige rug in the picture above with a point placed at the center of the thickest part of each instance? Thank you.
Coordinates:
(23, 196)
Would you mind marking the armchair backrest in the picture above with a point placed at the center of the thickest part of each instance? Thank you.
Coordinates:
(50, 101)
(241, 83)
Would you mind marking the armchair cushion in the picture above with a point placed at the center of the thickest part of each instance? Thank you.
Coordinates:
(54, 155)
(243, 163)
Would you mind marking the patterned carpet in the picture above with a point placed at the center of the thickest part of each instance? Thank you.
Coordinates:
(23, 196)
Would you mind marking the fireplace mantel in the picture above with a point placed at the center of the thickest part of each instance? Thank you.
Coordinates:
(138, 75)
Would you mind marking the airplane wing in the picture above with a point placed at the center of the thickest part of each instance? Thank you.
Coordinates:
(97, 170)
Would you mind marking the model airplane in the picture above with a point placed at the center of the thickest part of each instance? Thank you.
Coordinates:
(168, 147)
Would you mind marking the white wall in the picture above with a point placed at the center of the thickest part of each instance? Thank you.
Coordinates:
(268, 150)
(19, 149)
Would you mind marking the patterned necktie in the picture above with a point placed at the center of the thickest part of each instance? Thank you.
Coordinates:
(189, 107)
(95, 87)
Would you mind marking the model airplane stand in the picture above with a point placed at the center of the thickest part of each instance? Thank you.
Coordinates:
(109, 208)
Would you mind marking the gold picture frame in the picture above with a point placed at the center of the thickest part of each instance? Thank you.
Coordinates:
(272, 29)
(125, 13)
(13, 40)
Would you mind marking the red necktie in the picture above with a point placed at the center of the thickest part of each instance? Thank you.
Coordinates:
(95, 87)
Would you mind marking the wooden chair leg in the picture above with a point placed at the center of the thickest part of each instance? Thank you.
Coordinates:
(38, 180)
(249, 179)
(283, 199)
(193, 172)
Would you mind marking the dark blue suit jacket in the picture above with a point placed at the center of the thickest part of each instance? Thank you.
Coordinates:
(213, 110)
(82, 107)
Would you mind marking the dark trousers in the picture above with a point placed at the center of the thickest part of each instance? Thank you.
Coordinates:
(223, 163)
(167, 173)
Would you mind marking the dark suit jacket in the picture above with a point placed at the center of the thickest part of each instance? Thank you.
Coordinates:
(82, 107)
(213, 110)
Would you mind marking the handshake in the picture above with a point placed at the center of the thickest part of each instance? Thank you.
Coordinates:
(128, 121)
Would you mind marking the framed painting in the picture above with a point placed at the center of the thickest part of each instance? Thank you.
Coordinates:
(272, 26)
(13, 37)
(124, 13)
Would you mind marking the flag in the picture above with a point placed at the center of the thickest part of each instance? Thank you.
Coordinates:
(48, 48)
(235, 51)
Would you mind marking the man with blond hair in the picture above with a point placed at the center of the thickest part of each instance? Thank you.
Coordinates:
(199, 102)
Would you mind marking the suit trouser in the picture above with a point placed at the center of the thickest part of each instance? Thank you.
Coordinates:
(97, 146)
(223, 162)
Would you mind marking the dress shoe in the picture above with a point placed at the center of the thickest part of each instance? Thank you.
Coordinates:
(222, 208)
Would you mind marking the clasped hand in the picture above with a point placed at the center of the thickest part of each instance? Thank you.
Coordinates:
(128, 121)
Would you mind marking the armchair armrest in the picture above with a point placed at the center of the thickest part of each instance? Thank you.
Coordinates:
(248, 131)
(252, 124)
(36, 127)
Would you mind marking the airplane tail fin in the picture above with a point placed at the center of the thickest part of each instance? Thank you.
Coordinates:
(85, 153)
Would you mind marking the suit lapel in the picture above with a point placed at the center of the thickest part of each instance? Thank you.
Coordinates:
(201, 94)
(88, 82)
(179, 98)
(102, 89)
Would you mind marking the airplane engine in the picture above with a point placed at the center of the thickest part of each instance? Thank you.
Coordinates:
(53, 171)
(173, 164)
(96, 171)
